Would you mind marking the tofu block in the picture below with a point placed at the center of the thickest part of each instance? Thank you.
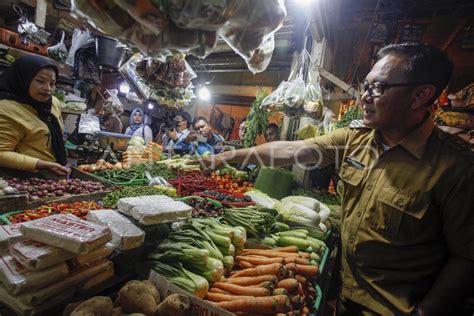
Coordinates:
(125, 205)
(37, 256)
(18, 279)
(125, 235)
(68, 232)
(102, 252)
(9, 234)
(161, 213)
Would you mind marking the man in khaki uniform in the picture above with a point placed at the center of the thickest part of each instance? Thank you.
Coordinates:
(408, 213)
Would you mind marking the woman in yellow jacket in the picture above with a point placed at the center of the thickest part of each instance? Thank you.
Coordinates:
(31, 129)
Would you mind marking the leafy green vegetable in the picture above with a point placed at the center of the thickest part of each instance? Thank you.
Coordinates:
(353, 113)
(257, 120)
(111, 199)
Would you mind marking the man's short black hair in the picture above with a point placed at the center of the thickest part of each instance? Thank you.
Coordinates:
(272, 125)
(242, 120)
(186, 117)
(425, 64)
(200, 118)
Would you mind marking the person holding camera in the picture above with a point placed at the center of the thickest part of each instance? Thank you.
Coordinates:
(202, 140)
(173, 137)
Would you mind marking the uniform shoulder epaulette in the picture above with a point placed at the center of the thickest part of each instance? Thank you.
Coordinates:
(358, 124)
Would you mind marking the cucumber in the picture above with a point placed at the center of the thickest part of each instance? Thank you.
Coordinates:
(292, 233)
(315, 257)
(285, 241)
(316, 244)
(268, 241)
(282, 226)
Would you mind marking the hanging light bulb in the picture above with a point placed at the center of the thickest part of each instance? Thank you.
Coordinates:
(150, 106)
(204, 94)
(124, 88)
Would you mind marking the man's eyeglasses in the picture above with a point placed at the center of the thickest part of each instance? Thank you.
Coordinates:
(376, 89)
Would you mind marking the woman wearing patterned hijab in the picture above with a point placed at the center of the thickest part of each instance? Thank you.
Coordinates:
(138, 127)
(31, 134)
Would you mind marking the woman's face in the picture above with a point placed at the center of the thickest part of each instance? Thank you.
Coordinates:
(242, 130)
(43, 85)
(137, 117)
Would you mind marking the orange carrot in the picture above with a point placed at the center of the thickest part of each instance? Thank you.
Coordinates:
(292, 249)
(247, 281)
(265, 305)
(245, 265)
(242, 290)
(305, 310)
(300, 290)
(274, 268)
(297, 302)
(271, 253)
(307, 271)
(305, 255)
(301, 279)
(290, 284)
(298, 261)
(219, 291)
(260, 261)
(267, 285)
(280, 292)
(216, 297)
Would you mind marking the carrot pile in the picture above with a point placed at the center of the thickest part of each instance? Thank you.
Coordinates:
(267, 282)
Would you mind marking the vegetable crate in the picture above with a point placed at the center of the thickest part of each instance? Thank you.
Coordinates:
(20, 202)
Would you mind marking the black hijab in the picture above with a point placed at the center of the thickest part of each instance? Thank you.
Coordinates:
(15, 85)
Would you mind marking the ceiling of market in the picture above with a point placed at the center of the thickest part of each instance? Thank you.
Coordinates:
(355, 29)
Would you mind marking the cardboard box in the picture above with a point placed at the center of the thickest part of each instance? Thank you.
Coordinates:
(199, 307)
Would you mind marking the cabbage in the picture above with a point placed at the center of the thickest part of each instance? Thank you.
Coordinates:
(261, 199)
(324, 212)
(305, 201)
(297, 213)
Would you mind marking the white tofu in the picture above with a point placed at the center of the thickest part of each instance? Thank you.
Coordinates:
(68, 232)
(161, 213)
(125, 235)
(98, 253)
(9, 234)
(125, 205)
(18, 279)
(37, 256)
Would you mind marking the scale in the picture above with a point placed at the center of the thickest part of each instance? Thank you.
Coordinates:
(113, 144)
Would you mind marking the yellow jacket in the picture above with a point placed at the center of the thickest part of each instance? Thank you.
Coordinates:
(24, 138)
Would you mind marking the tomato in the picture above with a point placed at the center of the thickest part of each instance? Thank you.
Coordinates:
(221, 186)
(239, 181)
(250, 185)
(235, 185)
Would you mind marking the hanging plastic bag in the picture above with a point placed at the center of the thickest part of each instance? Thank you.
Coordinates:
(307, 131)
(208, 15)
(329, 120)
(275, 101)
(294, 97)
(89, 124)
(112, 105)
(79, 39)
(313, 101)
(59, 51)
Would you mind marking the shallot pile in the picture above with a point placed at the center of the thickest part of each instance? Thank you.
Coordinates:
(40, 188)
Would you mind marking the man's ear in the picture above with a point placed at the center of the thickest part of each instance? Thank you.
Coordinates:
(421, 95)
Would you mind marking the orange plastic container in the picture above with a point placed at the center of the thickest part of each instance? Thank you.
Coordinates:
(13, 39)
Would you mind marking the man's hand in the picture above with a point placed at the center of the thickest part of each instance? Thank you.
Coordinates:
(191, 137)
(172, 134)
(52, 167)
(209, 163)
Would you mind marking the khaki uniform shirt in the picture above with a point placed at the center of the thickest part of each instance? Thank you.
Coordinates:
(404, 211)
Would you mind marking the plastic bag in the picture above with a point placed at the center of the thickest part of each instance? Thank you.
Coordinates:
(313, 101)
(112, 105)
(294, 97)
(89, 124)
(275, 100)
(59, 51)
(79, 39)
(307, 131)
(262, 56)
(151, 14)
(207, 15)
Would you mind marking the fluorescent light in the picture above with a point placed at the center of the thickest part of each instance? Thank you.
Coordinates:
(304, 3)
(124, 88)
(204, 94)
(150, 106)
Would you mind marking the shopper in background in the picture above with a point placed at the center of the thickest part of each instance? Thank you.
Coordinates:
(242, 130)
(202, 140)
(110, 114)
(407, 215)
(272, 133)
(174, 136)
(138, 126)
(31, 128)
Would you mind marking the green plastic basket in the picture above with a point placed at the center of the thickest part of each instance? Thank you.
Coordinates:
(324, 259)
(317, 303)
(4, 217)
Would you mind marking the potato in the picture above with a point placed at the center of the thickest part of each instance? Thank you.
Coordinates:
(96, 306)
(138, 297)
(117, 311)
(70, 308)
(174, 305)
